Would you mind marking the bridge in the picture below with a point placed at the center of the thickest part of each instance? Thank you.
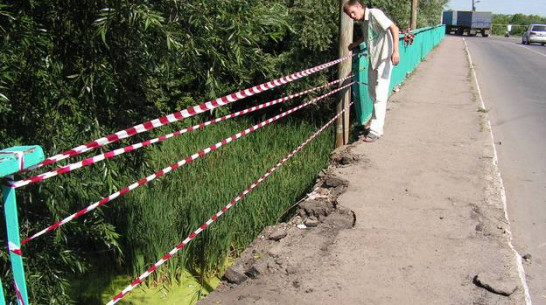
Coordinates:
(19, 165)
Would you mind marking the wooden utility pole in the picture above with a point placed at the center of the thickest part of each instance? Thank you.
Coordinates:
(414, 4)
(345, 38)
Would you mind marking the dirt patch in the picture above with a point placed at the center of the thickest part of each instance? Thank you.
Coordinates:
(277, 259)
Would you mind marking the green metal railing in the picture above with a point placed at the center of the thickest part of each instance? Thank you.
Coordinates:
(410, 56)
(13, 160)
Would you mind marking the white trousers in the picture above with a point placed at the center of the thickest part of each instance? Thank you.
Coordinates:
(378, 85)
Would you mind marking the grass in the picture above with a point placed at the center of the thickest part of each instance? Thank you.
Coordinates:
(155, 218)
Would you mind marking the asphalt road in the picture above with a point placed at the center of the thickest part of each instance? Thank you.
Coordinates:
(512, 78)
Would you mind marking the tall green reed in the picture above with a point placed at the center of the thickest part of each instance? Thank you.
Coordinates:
(159, 216)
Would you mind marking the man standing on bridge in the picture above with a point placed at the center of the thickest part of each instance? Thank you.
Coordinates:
(378, 32)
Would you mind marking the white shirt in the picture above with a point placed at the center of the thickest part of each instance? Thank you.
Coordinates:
(377, 36)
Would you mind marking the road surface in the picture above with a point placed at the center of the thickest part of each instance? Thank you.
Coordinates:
(512, 78)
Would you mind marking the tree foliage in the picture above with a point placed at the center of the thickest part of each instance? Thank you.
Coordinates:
(519, 23)
(428, 11)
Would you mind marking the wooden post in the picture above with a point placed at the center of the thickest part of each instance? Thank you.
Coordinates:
(414, 4)
(344, 69)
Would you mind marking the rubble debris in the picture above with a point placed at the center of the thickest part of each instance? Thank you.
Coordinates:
(494, 284)
(333, 182)
(311, 222)
(257, 269)
(317, 208)
(234, 277)
(278, 234)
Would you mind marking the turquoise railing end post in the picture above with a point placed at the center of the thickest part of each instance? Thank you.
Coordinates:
(14, 243)
(2, 297)
(13, 160)
(410, 56)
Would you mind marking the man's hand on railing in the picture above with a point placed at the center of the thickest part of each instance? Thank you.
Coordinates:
(355, 44)
(395, 58)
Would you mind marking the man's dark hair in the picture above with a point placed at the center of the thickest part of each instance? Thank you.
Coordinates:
(350, 3)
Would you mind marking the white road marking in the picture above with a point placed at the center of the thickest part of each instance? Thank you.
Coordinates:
(521, 271)
(532, 50)
(519, 45)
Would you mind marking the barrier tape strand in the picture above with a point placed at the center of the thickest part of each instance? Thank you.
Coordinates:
(215, 217)
(177, 165)
(12, 247)
(20, 300)
(186, 113)
(111, 154)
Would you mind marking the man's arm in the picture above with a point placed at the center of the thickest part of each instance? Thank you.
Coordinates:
(395, 52)
(356, 43)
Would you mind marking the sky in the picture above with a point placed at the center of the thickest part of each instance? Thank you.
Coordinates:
(509, 7)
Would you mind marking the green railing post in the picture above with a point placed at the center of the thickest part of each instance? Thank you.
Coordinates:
(14, 243)
(13, 160)
(410, 57)
(2, 297)
(363, 105)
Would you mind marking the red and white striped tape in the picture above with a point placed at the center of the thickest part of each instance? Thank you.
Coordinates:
(177, 165)
(20, 300)
(186, 113)
(14, 248)
(98, 158)
(214, 217)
